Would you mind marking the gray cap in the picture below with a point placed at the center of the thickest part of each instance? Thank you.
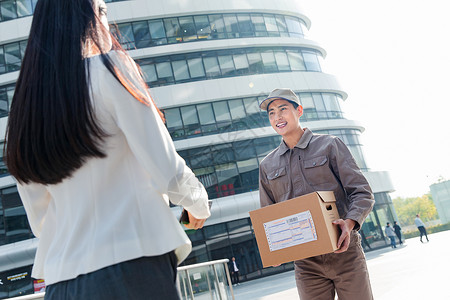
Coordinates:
(286, 94)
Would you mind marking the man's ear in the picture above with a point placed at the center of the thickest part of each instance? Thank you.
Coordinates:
(300, 111)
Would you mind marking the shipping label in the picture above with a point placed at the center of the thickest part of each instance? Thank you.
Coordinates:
(290, 231)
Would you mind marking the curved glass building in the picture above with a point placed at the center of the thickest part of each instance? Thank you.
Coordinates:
(208, 64)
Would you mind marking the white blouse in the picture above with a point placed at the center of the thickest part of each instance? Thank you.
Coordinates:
(116, 208)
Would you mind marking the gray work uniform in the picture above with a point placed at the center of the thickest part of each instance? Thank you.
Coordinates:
(322, 163)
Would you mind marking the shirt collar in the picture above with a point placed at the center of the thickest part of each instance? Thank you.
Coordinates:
(302, 143)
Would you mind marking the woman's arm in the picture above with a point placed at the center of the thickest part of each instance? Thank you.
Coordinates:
(151, 143)
(35, 199)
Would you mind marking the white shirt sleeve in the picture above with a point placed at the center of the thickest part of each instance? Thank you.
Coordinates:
(151, 143)
(35, 199)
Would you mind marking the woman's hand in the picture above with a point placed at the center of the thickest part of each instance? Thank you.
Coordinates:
(194, 223)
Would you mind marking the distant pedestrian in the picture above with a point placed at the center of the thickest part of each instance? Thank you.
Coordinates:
(421, 226)
(390, 234)
(234, 271)
(398, 232)
(364, 239)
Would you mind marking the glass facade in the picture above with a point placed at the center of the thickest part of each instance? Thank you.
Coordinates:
(3, 169)
(6, 95)
(11, 56)
(173, 69)
(155, 32)
(13, 9)
(16, 282)
(229, 168)
(372, 232)
(233, 168)
(231, 239)
(242, 113)
(14, 225)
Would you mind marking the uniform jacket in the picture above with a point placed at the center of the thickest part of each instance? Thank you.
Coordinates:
(316, 163)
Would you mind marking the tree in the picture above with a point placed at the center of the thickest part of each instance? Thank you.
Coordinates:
(407, 208)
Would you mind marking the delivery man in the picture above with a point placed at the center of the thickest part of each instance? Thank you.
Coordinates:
(304, 163)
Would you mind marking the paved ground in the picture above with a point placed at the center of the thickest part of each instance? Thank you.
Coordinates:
(414, 271)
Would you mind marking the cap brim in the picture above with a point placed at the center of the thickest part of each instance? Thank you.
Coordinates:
(265, 103)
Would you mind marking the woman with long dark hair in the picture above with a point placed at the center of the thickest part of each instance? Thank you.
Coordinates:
(94, 163)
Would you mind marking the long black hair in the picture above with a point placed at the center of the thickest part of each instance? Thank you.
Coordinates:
(51, 128)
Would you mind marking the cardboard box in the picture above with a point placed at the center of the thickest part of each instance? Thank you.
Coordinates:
(297, 228)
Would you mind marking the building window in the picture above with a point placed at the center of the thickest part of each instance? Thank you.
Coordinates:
(157, 33)
(6, 95)
(243, 113)
(188, 30)
(226, 63)
(3, 168)
(214, 26)
(141, 31)
(13, 9)
(126, 36)
(202, 27)
(16, 282)
(11, 56)
(8, 10)
(230, 168)
(196, 68)
(294, 27)
(14, 223)
(149, 33)
(233, 168)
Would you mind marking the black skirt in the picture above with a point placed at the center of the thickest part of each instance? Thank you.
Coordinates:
(145, 278)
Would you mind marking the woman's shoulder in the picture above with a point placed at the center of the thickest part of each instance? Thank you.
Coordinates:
(119, 61)
(116, 56)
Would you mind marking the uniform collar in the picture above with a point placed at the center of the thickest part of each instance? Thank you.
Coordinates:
(302, 143)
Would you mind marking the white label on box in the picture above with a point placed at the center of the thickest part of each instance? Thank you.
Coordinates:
(290, 231)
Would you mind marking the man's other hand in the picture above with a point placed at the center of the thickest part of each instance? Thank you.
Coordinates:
(346, 227)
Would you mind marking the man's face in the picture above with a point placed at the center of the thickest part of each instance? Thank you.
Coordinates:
(284, 117)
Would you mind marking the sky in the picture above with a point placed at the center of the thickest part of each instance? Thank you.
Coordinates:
(392, 58)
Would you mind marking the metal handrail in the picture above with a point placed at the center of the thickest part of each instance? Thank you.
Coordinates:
(39, 296)
(213, 263)
(203, 264)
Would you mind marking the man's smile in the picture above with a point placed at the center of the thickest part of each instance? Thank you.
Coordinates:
(281, 124)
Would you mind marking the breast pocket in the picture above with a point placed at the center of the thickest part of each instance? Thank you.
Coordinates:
(317, 171)
(278, 181)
